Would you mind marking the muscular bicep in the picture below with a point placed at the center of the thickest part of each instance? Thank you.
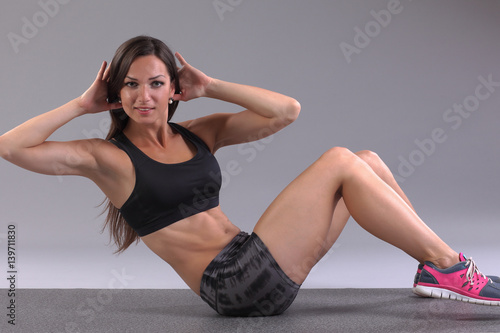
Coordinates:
(246, 126)
(58, 158)
(225, 129)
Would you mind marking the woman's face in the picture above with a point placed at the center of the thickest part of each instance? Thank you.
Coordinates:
(147, 90)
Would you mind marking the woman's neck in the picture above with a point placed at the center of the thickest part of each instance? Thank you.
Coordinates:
(151, 134)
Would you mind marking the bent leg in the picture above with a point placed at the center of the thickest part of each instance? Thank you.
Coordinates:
(341, 214)
(296, 224)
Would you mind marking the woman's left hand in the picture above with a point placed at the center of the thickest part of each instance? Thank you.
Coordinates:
(193, 82)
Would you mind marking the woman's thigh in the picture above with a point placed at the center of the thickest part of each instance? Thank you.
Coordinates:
(296, 224)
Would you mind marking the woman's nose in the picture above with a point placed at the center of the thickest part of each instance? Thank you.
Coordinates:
(144, 95)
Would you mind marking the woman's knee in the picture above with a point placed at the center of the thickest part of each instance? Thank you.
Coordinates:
(369, 156)
(338, 158)
(375, 163)
(336, 154)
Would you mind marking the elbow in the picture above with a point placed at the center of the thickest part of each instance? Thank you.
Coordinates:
(5, 151)
(292, 111)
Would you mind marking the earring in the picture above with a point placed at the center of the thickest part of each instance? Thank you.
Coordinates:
(171, 100)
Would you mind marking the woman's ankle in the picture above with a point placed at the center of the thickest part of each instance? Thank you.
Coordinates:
(446, 261)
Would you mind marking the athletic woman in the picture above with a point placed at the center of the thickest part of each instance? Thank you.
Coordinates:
(162, 183)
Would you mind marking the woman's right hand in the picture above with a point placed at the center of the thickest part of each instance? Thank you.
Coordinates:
(27, 145)
(94, 100)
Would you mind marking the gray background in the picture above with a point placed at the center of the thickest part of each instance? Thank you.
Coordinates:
(395, 90)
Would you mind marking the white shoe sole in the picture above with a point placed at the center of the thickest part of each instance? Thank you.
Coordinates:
(447, 294)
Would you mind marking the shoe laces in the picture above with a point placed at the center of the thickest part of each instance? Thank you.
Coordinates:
(471, 270)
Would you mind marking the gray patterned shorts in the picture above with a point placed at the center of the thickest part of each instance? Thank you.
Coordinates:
(244, 280)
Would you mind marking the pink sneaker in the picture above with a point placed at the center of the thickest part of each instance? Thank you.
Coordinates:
(493, 278)
(462, 282)
(417, 275)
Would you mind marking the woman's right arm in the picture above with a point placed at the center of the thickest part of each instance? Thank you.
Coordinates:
(26, 145)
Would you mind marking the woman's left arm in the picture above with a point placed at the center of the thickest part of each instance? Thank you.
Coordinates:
(266, 111)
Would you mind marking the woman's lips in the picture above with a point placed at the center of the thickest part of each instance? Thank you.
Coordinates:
(144, 110)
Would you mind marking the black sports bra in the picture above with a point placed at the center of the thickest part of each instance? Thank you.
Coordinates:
(167, 193)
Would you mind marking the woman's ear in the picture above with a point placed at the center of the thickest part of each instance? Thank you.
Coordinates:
(172, 88)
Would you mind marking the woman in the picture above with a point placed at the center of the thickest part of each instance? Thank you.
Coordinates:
(163, 182)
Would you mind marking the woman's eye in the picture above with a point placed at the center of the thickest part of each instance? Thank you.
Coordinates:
(157, 84)
(130, 84)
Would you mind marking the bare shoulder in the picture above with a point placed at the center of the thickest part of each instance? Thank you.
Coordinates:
(109, 158)
(114, 172)
(207, 128)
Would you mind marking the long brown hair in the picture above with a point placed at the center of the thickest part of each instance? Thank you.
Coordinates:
(120, 232)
